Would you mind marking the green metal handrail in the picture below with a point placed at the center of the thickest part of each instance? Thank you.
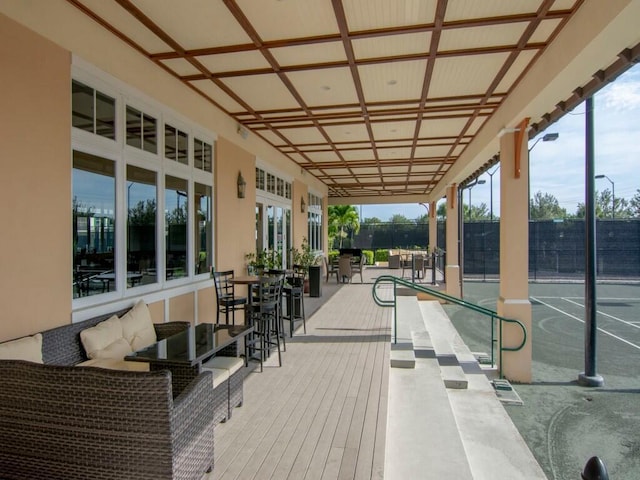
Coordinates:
(450, 299)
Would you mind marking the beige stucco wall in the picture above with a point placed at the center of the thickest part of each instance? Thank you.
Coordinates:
(234, 217)
(206, 305)
(35, 198)
(156, 309)
(181, 308)
(299, 223)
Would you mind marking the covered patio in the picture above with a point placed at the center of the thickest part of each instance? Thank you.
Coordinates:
(151, 142)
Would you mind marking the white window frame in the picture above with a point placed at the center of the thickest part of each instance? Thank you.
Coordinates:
(123, 155)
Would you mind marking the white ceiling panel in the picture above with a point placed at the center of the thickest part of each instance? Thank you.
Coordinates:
(325, 87)
(393, 81)
(233, 62)
(200, 24)
(277, 20)
(254, 90)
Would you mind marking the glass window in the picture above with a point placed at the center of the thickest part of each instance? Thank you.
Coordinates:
(149, 134)
(134, 127)
(259, 227)
(170, 142)
(93, 111)
(183, 148)
(203, 234)
(141, 226)
(271, 220)
(82, 106)
(175, 199)
(141, 131)
(176, 144)
(271, 183)
(105, 116)
(260, 179)
(202, 155)
(93, 225)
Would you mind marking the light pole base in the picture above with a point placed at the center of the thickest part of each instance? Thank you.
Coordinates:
(590, 381)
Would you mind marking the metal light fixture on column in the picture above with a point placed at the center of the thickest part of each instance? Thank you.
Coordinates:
(613, 194)
(303, 205)
(242, 185)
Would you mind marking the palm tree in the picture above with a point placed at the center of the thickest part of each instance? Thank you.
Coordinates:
(341, 218)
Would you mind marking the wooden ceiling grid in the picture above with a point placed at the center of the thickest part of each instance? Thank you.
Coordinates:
(372, 100)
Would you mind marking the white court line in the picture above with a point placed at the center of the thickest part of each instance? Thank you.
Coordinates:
(600, 299)
(582, 321)
(604, 314)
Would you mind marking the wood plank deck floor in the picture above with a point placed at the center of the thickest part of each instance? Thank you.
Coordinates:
(323, 414)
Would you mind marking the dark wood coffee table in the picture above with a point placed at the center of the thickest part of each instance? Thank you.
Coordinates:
(184, 353)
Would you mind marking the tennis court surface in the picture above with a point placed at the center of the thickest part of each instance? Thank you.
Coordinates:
(563, 423)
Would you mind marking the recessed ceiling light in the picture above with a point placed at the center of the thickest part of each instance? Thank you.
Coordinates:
(393, 130)
(326, 88)
(392, 82)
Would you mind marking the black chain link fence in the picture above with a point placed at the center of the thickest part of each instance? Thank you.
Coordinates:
(556, 248)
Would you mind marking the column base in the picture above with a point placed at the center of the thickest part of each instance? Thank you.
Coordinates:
(590, 380)
(515, 366)
(452, 278)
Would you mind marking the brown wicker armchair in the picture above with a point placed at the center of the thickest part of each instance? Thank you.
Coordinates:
(59, 422)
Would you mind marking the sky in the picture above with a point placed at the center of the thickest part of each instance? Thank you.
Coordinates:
(558, 167)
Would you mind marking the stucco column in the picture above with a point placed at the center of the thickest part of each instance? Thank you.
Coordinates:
(433, 227)
(452, 269)
(513, 301)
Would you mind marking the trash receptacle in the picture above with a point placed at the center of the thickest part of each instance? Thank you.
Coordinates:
(315, 281)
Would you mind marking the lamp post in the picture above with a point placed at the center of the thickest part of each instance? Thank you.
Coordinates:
(613, 194)
(491, 174)
(547, 137)
(469, 187)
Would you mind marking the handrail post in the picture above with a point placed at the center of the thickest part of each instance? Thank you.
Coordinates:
(433, 268)
(395, 314)
(500, 350)
(493, 340)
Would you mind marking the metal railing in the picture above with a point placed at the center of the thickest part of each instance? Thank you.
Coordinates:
(457, 301)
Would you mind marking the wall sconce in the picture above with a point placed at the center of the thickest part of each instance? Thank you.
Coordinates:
(303, 205)
(242, 185)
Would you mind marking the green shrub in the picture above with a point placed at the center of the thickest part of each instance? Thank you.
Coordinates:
(333, 254)
(382, 255)
(368, 256)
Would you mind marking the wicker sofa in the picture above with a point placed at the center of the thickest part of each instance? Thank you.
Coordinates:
(58, 421)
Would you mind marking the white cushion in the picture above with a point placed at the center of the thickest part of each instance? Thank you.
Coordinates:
(116, 350)
(220, 375)
(232, 364)
(137, 327)
(25, 348)
(101, 336)
(115, 364)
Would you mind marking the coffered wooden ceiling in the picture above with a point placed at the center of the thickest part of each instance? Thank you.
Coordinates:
(373, 97)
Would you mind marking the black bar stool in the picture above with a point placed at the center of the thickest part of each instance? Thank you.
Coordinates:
(294, 298)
